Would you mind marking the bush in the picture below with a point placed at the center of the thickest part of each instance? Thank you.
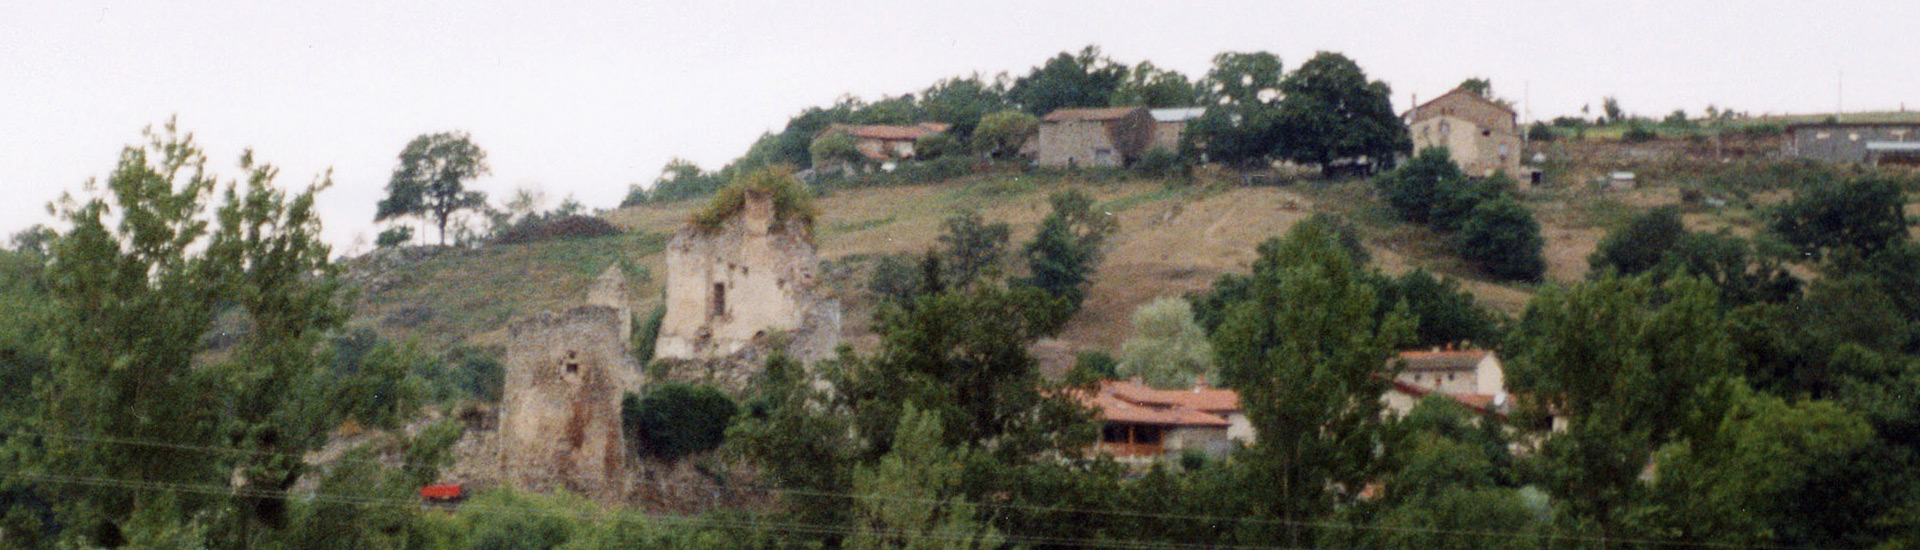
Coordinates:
(1502, 236)
(1000, 135)
(676, 420)
(536, 229)
(933, 146)
(394, 236)
(646, 333)
(790, 202)
(1161, 163)
(1641, 244)
(1415, 188)
(1637, 133)
(1540, 131)
(1862, 214)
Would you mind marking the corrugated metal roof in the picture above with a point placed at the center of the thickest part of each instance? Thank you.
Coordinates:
(1177, 114)
(1894, 146)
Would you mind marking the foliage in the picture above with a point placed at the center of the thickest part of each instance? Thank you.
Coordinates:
(1862, 214)
(1061, 259)
(1637, 133)
(899, 278)
(974, 249)
(1478, 85)
(1167, 349)
(1612, 108)
(1094, 365)
(646, 334)
(803, 436)
(1504, 239)
(909, 498)
(1443, 312)
(381, 387)
(1002, 134)
(1242, 94)
(1086, 79)
(430, 181)
(1540, 132)
(1153, 87)
(835, 147)
(676, 420)
(1632, 367)
(542, 228)
(1161, 163)
(962, 102)
(1414, 189)
(395, 236)
(1330, 111)
(1305, 353)
(475, 372)
(790, 201)
(679, 179)
(135, 284)
(933, 146)
(1640, 245)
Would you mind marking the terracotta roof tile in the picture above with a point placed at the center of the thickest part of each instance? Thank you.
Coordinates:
(1444, 360)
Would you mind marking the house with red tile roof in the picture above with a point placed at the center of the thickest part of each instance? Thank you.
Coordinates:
(886, 142)
(1139, 422)
(1473, 377)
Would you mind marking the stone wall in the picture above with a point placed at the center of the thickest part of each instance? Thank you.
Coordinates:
(560, 409)
(1479, 151)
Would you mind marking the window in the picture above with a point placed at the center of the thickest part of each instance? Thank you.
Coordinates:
(572, 363)
(719, 302)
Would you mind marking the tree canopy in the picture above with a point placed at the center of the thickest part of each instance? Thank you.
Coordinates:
(430, 181)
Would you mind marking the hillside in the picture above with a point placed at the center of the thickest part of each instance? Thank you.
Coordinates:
(1173, 238)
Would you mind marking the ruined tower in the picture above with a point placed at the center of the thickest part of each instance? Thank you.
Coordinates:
(744, 287)
(560, 408)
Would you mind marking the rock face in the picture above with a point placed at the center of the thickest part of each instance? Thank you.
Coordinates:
(560, 409)
(741, 290)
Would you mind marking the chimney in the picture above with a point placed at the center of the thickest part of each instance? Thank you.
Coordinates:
(1200, 383)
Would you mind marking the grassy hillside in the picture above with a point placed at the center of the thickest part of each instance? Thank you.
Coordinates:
(1173, 238)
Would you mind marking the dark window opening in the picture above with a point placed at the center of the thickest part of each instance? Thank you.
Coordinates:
(719, 300)
(573, 362)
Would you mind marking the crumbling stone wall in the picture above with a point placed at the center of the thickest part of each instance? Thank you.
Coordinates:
(741, 290)
(560, 409)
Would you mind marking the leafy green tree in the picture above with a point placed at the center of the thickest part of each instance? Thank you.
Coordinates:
(1306, 354)
(1611, 107)
(1243, 79)
(1062, 258)
(677, 420)
(1863, 214)
(836, 148)
(431, 180)
(933, 146)
(646, 334)
(1768, 475)
(1504, 239)
(1414, 189)
(802, 435)
(973, 248)
(1631, 369)
(679, 179)
(1644, 242)
(910, 499)
(1002, 134)
(1444, 313)
(1456, 203)
(1086, 79)
(1330, 111)
(1167, 349)
(1153, 87)
(394, 237)
(1478, 85)
(1242, 92)
(962, 102)
(136, 283)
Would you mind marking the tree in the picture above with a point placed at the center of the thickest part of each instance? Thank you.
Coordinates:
(910, 498)
(430, 181)
(137, 281)
(1330, 111)
(1478, 85)
(1504, 239)
(679, 179)
(1153, 87)
(1243, 79)
(836, 148)
(1611, 107)
(1242, 95)
(1064, 254)
(1631, 370)
(1444, 313)
(1414, 189)
(962, 102)
(676, 420)
(1167, 349)
(1086, 79)
(1644, 242)
(974, 248)
(1002, 134)
(1305, 353)
(1863, 214)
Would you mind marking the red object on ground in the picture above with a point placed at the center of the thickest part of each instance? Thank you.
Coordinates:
(449, 491)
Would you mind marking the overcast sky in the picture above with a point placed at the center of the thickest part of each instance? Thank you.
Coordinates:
(586, 98)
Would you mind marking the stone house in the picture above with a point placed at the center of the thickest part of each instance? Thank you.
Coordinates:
(1140, 423)
(1473, 377)
(743, 289)
(883, 143)
(1168, 124)
(1109, 137)
(1871, 143)
(560, 405)
(1482, 135)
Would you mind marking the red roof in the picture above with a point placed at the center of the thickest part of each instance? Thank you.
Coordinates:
(1444, 359)
(1134, 403)
(1201, 398)
(1082, 115)
(1470, 94)
(887, 132)
(440, 492)
(1479, 402)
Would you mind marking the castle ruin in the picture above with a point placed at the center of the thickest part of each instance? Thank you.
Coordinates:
(742, 289)
(560, 408)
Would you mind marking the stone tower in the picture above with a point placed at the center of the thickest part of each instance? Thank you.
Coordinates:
(747, 287)
(560, 408)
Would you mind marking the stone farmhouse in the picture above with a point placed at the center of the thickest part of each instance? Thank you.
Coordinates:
(1472, 377)
(1481, 134)
(1871, 143)
(1109, 137)
(1140, 423)
(1168, 124)
(742, 290)
(883, 143)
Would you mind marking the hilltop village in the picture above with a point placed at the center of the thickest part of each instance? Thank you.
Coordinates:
(1098, 305)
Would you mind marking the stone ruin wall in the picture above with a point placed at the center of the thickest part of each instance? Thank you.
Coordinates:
(560, 409)
(740, 292)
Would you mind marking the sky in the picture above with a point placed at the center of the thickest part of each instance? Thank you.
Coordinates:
(586, 98)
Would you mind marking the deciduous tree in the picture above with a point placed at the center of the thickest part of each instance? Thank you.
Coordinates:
(431, 180)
